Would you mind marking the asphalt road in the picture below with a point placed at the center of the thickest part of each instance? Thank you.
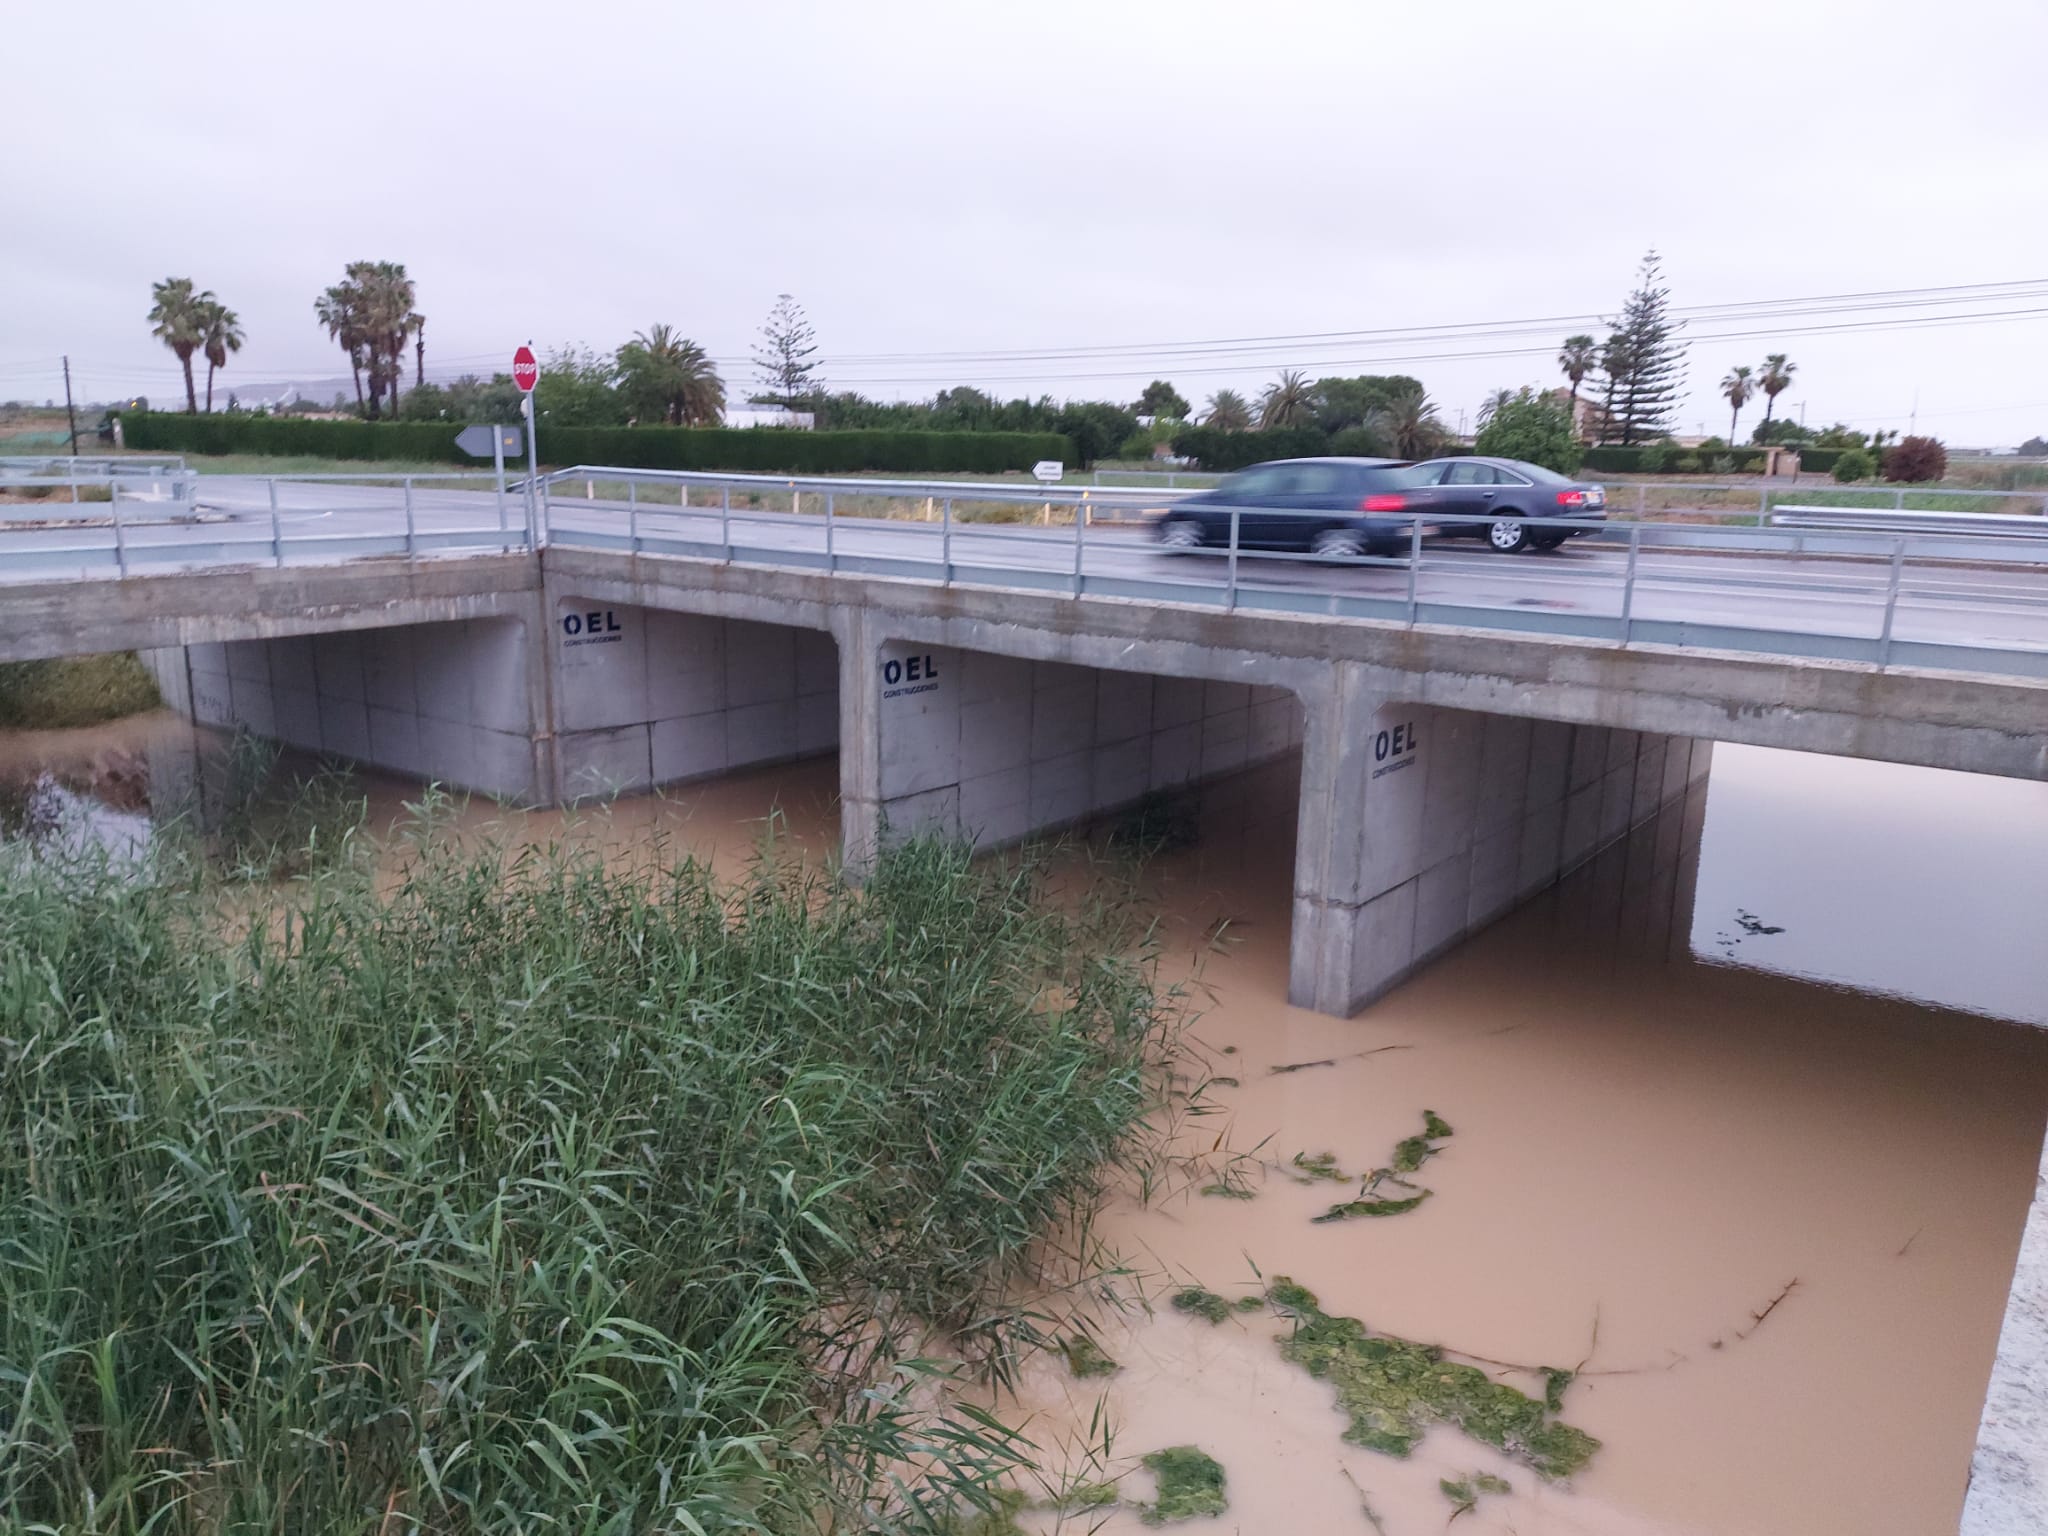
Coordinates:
(2002, 608)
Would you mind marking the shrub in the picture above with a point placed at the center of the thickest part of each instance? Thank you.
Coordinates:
(1614, 461)
(1536, 429)
(1853, 464)
(1915, 459)
(74, 690)
(1821, 461)
(1224, 451)
(1361, 443)
(702, 448)
(1656, 458)
(1136, 448)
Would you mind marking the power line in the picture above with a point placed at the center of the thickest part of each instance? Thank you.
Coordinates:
(1382, 359)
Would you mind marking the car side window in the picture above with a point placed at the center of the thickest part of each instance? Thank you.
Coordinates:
(1318, 480)
(1469, 473)
(1249, 485)
(1509, 477)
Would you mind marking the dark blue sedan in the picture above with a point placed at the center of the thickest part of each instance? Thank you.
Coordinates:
(1322, 506)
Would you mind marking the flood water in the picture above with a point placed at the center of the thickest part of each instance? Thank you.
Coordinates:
(1759, 1053)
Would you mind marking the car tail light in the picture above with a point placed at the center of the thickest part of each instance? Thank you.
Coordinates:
(1383, 502)
(1571, 498)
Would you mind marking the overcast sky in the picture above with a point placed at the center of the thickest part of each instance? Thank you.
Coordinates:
(978, 179)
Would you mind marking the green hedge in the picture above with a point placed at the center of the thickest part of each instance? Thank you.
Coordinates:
(1221, 452)
(708, 448)
(1695, 461)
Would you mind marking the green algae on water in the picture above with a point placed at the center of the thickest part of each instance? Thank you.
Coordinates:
(1394, 1389)
(999, 1519)
(1193, 1299)
(1190, 1484)
(1086, 1358)
(1322, 1166)
(1409, 1155)
(1555, 1380)
(1083, 1496)
(1464, 1492)
(1352, 1208)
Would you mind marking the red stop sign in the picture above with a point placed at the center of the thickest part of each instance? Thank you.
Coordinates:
(525, 371)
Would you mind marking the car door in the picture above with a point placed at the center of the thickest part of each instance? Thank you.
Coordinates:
(1254, 495)
(1469, 487)
(1315, 495)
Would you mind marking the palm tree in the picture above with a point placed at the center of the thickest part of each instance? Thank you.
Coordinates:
(1775, 380)
(391, 320)
(175, 320)
(666, 373)
(1737, 387)
(370, 312)
(1493, 403)
(1408, 421)
(220, 332)
(340, 309)
(1288, 402)
(1579, 358)
(1228, 412)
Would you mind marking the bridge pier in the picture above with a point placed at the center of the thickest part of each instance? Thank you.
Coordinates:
(459, 701)
(1420, 825)
(994, 747)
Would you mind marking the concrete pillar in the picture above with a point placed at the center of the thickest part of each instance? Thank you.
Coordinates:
(1420, 825)
(2008, 1493)
(860, 737)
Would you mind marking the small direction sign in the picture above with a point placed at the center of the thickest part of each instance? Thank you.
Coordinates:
(1047, 471)
(525, 369)
(482, 442)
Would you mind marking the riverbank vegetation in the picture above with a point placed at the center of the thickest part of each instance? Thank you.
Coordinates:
(75, 690)
(523, 1192)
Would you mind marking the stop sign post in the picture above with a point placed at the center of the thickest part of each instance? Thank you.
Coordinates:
(526, 374)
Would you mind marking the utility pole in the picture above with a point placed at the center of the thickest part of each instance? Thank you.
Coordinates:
(69, 411)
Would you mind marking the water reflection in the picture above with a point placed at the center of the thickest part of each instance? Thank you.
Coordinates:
(1913, 882)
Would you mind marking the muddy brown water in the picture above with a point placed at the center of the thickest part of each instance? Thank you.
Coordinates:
(1769, 1040)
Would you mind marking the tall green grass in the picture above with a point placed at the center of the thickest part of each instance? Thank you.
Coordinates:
(535, 1194)
(74, 690)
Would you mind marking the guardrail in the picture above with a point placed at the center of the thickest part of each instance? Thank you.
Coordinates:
(23, 465)
(1976, 602)
(230, 520)
(1868, 597)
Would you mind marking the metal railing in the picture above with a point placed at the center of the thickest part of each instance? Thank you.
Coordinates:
(24, 466)
(217, 521)
(1970, 601)
(1973, 603)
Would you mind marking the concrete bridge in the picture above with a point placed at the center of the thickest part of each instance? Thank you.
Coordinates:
(1459, 749)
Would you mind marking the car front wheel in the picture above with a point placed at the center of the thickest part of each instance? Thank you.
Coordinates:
(1181, 533)
(1508, 535)
(1339, 543)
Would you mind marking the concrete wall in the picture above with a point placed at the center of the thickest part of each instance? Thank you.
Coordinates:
(997, 747)
(1420, 825)
(645, 697)
(449, 702)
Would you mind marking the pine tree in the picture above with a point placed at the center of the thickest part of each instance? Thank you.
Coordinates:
(1643, 363)
(787, 368)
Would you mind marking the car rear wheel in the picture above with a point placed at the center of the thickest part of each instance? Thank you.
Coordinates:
(1181, 533)
(1549, 540)
(1339, 543)
(1509, 535)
